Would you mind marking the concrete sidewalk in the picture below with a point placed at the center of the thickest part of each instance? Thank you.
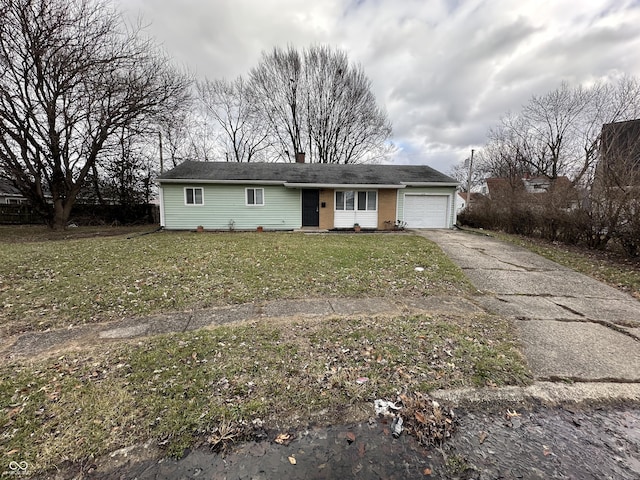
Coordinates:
(33, 344)
(572, 327)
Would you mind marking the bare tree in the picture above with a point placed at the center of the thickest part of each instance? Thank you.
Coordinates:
(126, 171)
(591, 135)
(233, 108)
(609, 103)
(508, 152)
(318, 103)
(344, 123)
(558, 133)
(460, 171)
(277, 89)
(71, 77)
(175, 134)
(553, 118)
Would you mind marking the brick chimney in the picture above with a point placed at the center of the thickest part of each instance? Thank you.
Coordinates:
(299, 157)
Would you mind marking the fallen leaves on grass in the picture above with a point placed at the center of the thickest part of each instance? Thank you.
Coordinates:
(97, 279)
(229, 383)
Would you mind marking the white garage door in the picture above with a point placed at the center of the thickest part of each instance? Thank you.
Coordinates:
(426, 211)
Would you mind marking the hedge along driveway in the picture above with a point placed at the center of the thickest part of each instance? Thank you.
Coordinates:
(70, 282)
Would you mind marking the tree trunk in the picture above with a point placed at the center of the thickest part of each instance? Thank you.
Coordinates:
(61, 214)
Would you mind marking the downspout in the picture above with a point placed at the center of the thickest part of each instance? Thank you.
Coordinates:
(162, 223)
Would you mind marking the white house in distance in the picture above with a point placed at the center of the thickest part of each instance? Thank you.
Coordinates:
(9, 195)
(461, 202)
(289, 196)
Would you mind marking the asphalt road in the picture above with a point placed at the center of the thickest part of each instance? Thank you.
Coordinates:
(539, 443)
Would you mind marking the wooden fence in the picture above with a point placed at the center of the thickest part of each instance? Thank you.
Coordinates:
(83, 214)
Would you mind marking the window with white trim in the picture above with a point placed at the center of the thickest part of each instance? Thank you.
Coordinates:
(255, 197)
(345, 200)
(364, 200)
(194, 196)
(367, 200)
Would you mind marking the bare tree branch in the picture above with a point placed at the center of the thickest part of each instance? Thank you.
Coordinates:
(232, 106)
(317, 101)
(71, 77)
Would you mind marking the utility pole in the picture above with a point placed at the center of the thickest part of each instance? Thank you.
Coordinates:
(469, 182)
(161, 160)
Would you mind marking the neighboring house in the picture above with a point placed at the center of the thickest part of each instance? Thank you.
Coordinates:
(538, 184)
(621, 140)
(9, 194)
(534, 191)
(288, 196)
(619, 164)
(461, 200)
(615, 195)
(500, 186)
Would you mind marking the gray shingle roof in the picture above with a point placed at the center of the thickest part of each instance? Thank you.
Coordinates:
(309, 173)
(8, 189)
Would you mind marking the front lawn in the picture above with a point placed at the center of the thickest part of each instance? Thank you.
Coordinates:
(228, 382)
(189, 389)
(53, 284)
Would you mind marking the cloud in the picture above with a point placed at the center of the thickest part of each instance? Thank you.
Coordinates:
(445, 70)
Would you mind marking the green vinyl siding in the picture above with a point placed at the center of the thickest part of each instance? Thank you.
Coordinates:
(222, 203)
(449, 191)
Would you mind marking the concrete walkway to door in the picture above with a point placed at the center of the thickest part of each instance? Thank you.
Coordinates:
(571, 326)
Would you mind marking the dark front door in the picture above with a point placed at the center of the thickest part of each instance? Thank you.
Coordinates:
(310, 208)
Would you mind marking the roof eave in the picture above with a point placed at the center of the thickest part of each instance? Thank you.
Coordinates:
(227, 182)
(431, 184)
(341, 185)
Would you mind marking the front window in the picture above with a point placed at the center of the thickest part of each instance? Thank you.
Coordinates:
(345, 200)
(367, 201)
(364, 200)
(255, 196)
(194, 196)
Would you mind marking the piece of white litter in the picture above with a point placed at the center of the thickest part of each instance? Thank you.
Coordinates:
(382, 407)
(419, 269)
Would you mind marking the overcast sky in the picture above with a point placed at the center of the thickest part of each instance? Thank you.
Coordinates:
(444, 70)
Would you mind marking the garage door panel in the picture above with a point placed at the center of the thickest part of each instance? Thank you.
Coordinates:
(426, 211)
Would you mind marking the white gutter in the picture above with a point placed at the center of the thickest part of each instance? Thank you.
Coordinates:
(309, 185)
(341, 185)
(228, 182)
(162, 222)
(430, 184)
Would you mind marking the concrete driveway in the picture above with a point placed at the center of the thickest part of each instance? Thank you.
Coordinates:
(571, 326)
